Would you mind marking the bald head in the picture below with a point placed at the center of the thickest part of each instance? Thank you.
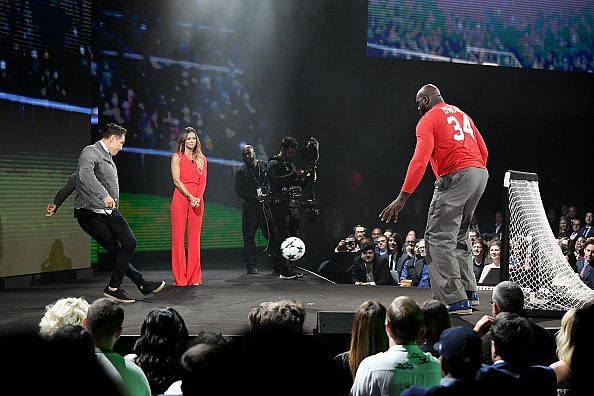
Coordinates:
(427, 97)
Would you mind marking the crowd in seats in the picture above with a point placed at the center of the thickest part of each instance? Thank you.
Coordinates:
(194, 81)
(403, 348)
(404, 258)
(552, 38)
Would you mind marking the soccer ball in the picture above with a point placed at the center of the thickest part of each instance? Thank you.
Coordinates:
(292, 248)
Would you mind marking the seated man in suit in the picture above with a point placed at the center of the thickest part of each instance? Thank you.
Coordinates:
(369, 269)
(584, 266)
(511, 334)
(460, 351)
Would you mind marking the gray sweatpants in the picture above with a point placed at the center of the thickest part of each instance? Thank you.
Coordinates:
(448, 249)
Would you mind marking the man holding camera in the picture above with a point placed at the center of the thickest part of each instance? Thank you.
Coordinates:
(250, 184)
(285, 186)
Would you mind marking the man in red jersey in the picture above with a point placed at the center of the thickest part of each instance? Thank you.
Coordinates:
(448, 138)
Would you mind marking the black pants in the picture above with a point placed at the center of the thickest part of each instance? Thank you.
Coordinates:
(114, 234)
(285, 223)
(253, 217)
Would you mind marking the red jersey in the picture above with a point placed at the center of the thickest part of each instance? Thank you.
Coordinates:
(448, 138)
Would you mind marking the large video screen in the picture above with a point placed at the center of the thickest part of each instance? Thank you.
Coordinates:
(45, 91)
(546, 34)
(159, 69)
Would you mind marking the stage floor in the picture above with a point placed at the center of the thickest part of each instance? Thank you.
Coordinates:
(222, 303)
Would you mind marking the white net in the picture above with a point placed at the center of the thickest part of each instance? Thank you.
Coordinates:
(536, 261)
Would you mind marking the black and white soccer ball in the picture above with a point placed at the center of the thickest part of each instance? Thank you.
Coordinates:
(292, 248)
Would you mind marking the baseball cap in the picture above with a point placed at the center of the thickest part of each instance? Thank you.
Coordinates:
(460, 345)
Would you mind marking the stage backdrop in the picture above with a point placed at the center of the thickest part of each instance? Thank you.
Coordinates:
(45, 116)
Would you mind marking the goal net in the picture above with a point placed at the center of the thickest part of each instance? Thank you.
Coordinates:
(535, 260)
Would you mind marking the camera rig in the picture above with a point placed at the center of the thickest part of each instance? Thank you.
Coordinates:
(302, 194)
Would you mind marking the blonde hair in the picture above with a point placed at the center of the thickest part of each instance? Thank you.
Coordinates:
(196, 151)
(566, 336)
(65, 311)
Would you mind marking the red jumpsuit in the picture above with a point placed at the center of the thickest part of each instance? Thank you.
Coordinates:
(190, 272)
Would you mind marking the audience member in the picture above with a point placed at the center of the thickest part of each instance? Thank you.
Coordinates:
(460, 350)
(104, 321)
(472, 235)
(509, 297)
(369, 269)
(65, 311)
(375, 233)
(359, 231)
(63, 364)
(284, 313)
(576, 225)
(394, 255)
(511, 369)
(584, 266)
(564, 230)
(381, 246)
(163, 339)
(575, 350)
(479, 257)
(403, 364)
(578, 247)
(417, 270)
(587, 230)
(368, 338)
(197, 364)
(348, 244)
(494, 256)
(435, 320)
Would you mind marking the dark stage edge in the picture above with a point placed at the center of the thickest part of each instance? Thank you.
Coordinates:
(222, 303)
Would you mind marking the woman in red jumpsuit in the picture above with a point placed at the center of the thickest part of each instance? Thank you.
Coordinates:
(188, 169)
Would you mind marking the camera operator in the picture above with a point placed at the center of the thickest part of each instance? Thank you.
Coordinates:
(250, 184)
(349, 245)
(285, 185)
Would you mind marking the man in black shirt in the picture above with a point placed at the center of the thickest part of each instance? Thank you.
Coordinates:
(285, 185)
(250, 181)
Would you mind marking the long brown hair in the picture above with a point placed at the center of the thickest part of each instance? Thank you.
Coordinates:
(369, 333)
(196, 152)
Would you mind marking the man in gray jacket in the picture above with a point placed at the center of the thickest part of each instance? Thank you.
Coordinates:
(96, 209)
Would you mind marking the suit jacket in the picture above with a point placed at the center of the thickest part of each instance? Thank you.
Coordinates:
(381, 271)
(447, 387)
(414, 272)
(502, 377)
(586, 234)
(588, 277)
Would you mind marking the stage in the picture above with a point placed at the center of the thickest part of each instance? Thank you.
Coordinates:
(222, 303)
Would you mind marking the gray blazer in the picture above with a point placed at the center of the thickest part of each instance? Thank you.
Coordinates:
(97, 177)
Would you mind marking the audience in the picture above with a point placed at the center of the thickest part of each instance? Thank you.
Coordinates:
(403, 364)
(369, 269)
(104, 321)
(435, 320)
(368, 338)
(65, 311)
(509, 297)
(494, 256)
(163, 339)
(575, 350)
(63, 364)
(479, 257)
(289, 314)
(584, 266)
(195, 365)
(459, 349)
(416, 270)
(511, 368)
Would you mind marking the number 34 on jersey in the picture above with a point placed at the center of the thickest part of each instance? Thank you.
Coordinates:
(460, 130)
